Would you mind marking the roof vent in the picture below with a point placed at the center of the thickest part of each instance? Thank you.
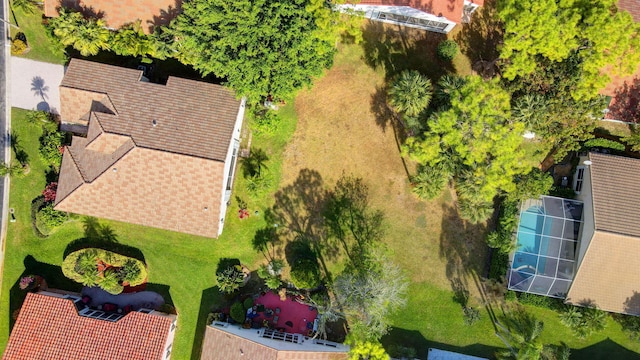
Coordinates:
(154, 122)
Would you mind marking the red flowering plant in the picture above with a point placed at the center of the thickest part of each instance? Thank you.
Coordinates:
(27, 282)
(49, 192)
(243, 213)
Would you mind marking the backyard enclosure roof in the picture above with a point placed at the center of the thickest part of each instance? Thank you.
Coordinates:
(546, 243)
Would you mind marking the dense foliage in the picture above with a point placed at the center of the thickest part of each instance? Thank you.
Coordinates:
(595, 32)
(51, 145)
(447, 50)
(262, 48)
(230, 279)
(476, 140)
(104, 268)
(305, 273)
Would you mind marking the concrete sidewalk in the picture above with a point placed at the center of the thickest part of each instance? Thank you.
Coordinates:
(34, 85)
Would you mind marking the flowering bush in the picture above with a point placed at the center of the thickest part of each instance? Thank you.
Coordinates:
(49, 192)
(26, 281)
(243, 213)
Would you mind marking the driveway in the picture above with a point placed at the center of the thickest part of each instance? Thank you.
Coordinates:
(34, 85)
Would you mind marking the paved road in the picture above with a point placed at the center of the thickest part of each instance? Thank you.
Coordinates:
(5, 127)
(34, 84)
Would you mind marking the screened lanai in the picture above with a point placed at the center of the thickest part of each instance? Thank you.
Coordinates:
(546, 246)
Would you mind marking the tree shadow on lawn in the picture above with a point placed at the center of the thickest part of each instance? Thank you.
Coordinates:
(101, 237)
(210, 300)
(414, 339)
(605, 349)
(480, 38)
(396, 48)
(51, 273)
(463, 245)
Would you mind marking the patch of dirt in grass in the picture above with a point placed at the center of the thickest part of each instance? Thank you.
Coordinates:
(338, 133)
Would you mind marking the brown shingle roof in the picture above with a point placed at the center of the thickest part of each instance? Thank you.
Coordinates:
(607, 276)
(49, 328)
(192, 117)
(614, 183)
(222, 345)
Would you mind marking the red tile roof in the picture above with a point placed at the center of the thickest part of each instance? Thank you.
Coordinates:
(632, 6)
(451, 9)
(49, 328)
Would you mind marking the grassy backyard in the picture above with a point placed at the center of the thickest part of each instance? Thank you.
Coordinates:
(181, 267)
(41, 47)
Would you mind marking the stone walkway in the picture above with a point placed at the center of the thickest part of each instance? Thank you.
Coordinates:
(142, 299)
(34, 85)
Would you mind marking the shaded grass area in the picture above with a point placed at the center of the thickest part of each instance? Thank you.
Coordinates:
(41, 46)
(181, 267)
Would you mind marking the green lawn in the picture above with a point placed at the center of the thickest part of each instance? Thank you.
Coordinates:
(41, 46)
(180, 266)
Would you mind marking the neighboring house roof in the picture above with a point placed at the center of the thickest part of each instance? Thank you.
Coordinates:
(606, 276)
(49, 328)
(228, 344)
(153, 155)
(625, 90)
(116, 13)
(451, 9)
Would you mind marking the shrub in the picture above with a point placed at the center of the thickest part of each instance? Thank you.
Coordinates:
(603, 143)
(230, 279)
(49, 192)
(447, 50)
(18, 47)
(510, 296)
(499, 264)
(430, 181)
(237, 312)
(50, 217)
(630, 325)
(471, 315)
(563, 192)
(257, 184)
(51, 146)
(583, 321)
(265, 121)
(531, 185)
(82, 266)
(501, 238)
(247, 303)
(541, 301)
(271, 274)
(36, 204)
(305, 273)
(38, 117)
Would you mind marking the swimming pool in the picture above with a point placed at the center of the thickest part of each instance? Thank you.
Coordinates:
(546, 242)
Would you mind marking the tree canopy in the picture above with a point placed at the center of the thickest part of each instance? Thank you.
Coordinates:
(553, 30)
(262, 48)
(476, 137)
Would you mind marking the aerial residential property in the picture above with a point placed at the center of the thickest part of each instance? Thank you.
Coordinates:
(582, 250)
(53, 326)
(434, 15)
(151, 13)
(151, 154)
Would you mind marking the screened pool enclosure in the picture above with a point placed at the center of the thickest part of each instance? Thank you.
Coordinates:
(546, 246)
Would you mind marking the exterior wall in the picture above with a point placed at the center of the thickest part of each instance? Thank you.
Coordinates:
(157, 189)
(588, 224)
(373, 12)
(76, 104)
(227, 164)
(120, 12)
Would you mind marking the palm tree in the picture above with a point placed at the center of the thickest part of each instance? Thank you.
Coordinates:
(521, 332)
(130, 40)
(27, 6)
(11, 169)
(86, 36)
(410, 93)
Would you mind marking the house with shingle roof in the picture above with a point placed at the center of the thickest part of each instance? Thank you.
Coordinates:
(151, 154)
(584, 251)
(433, 15)
(223, 341)
(53, 326)
(117, 13)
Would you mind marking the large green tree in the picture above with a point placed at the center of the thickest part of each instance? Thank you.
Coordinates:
(88, 36)
(475, 139)
(260, 47)
(553, 30)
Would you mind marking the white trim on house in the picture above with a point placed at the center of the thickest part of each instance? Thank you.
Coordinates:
(230, 163)
(401, 15)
